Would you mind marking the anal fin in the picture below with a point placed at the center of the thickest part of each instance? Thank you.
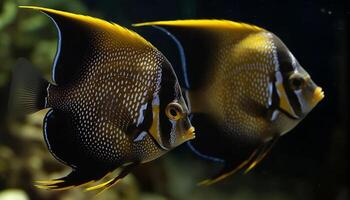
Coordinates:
(228, 170)
(106, 185)
(76, 178)
(263, 151)
(231, 168)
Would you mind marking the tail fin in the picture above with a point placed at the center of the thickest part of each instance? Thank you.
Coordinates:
(28, 89)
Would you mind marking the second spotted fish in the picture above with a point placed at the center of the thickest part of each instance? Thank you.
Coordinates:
(114, 101)
(245, 89)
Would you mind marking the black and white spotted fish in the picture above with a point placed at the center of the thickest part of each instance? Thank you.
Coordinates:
(245, 88)
(114, 101)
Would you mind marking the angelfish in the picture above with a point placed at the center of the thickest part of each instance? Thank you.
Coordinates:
(245, 89)
(114, 101)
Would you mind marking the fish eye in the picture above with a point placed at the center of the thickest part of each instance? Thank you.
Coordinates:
(174, 111)
(296, 81)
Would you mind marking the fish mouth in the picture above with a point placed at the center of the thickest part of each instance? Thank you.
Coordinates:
(190, 134)
(318, 95)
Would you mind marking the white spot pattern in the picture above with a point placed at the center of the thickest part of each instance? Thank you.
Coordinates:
(242, 77)
(116, 82)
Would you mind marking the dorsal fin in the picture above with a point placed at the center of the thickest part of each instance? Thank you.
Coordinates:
(201, 40)
(82, 38)
(210, 25)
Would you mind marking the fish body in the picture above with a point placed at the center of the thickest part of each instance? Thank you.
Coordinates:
(245, 89)
(114, 100)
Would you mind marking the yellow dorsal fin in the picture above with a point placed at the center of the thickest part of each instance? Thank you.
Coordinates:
(82, 37)
(200, 42)
(208, 24)
(123, 32)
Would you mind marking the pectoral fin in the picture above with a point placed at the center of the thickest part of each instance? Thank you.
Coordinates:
(28, 89)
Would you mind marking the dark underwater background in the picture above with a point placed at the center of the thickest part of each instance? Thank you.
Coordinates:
(308, 163)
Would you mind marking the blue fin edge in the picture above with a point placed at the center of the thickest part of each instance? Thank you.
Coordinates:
(181, 53)
(193, 149)
(58, 51)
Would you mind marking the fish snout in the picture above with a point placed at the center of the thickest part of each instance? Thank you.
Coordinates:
(318, 95)
(189, 133)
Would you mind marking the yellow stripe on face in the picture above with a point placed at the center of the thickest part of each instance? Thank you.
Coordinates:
(154, 129)
(284, 102)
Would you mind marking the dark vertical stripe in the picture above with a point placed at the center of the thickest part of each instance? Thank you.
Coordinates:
(286, 68)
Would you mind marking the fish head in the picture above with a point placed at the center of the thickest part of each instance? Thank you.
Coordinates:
(307, 92)
(178, 123)
(174, 124)
(298, 93)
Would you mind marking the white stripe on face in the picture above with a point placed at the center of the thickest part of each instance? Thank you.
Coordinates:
(141, 117)
(172, 139)
(141, 136)
(270, 92)
(274, 115)
(303, 104)
(294, 61)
